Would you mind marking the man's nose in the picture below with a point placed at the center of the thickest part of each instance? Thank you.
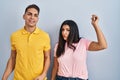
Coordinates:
(32, 16)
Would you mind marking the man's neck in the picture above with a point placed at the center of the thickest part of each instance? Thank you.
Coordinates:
(30, 29)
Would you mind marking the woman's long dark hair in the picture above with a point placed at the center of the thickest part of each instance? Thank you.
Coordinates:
(73, 37)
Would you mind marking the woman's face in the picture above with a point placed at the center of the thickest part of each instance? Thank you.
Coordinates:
(65, 31)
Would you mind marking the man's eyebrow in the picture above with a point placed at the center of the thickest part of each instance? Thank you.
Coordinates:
(35, 13)
(28, 12)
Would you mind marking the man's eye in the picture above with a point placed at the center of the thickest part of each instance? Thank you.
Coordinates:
(28, 14)
(36, 15)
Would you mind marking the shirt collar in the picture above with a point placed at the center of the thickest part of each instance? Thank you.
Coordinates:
(26, 32)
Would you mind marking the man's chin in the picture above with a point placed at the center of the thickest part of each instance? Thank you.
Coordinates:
(32, 26)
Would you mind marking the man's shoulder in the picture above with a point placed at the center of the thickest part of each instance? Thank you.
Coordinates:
(43, 32)
(16, 32)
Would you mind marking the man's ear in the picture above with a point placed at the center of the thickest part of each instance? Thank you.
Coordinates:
(24, 16)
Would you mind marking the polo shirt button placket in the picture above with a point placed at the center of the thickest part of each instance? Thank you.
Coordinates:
(29, 38)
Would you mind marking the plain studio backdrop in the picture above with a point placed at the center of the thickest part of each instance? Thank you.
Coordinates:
(102, 65)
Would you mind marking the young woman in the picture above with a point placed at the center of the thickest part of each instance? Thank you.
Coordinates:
(70, 51)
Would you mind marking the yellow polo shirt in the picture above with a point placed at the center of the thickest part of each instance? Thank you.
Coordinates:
(30, 56)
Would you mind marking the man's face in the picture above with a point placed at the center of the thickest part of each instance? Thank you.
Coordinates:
(31, 17)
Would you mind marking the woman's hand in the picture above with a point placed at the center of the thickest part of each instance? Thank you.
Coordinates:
(94, 20)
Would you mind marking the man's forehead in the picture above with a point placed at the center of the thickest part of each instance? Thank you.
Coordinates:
(32, 10)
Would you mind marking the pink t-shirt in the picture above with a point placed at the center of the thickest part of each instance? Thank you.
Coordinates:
(73, 63)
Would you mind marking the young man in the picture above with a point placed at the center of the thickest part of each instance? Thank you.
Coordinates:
(30, 49)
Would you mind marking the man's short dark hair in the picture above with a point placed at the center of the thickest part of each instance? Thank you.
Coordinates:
(32, 6)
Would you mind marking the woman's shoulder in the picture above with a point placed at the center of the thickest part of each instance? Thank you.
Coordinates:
(56, 45)
(84, 40)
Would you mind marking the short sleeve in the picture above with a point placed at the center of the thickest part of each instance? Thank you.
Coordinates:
(87, 43)
(47, 44)
(12, 40)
